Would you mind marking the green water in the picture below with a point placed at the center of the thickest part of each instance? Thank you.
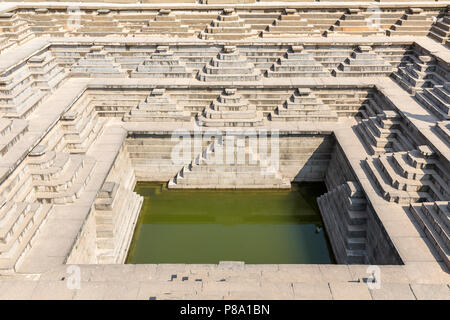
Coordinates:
(208, 226)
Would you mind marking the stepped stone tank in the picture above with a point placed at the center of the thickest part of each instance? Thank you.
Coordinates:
(356, 94)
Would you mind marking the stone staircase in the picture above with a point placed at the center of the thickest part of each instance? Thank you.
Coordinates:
(344, 213)
(297, 63)
(409, 177)
(229, 162)
(59, 177)
(440, 31)
(434, 220)
(414, 22)
(45, 23)
(436, 100)
(157, 107)
(228, 26)
(384, 133)
(363, 62)
(161, 64)
(80, 127)
(101, 23)
(13, 30)
(47, 74)
(290, 23)
(19, 224)
(18, 94)
(230, 110)
(166, 22)
(354, 22)
(97, 64)
(416, 72)
(303, 105)
(156, 159)
(229, 65)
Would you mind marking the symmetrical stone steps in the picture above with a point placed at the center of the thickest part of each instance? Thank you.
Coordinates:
(157, 107)
(384, 133)
(229, 65)
(63, 181)
(19, 223)
(297, 63)
(416, 72)
(157, 159)
(18, 94)
(230, 110)
(363, 62)
(434, 220)
(344, 213)
(14, 30)
(354, 22)
(80, 127)
(229, 164)
(440, 31)
(303, 105)
(162, 64)
(166, 22)
(436, 100)
(227, 26)
(408, 177)
(47, 74)
(97, 63)
(414, 22)
(290, 23)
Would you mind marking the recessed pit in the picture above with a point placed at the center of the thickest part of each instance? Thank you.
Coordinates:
(208, 226)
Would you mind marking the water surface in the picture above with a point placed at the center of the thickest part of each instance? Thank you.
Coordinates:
(208, 226)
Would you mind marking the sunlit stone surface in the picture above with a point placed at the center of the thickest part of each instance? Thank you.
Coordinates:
(96, 97)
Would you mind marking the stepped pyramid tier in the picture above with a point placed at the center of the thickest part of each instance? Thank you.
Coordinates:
(440, 30)
(230, 110)
(303, 105)
(101, 23)
(417, 72)
(408, 177)
(19, 223)
(228, 26)
(229, 65)
(229, 163)
(80, 128)
(14, 30)
(97, 63)
(384, 132)
(354, 22)
(434, 219)
(290, 23)
(158, 107)
(414, 22)
(161, 64)
(166, 22)
(436, 100)
(18, 94)
(344, 213)
(59, 177)
(363, 62)
(297, 63)
(46, 72)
